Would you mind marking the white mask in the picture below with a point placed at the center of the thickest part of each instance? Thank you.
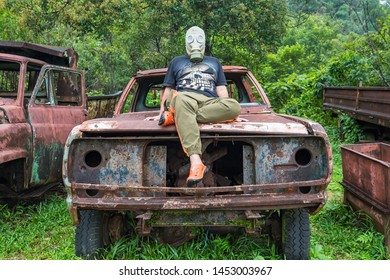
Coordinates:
(195, 43)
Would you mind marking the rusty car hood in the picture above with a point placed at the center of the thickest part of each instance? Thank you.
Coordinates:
(131, 123)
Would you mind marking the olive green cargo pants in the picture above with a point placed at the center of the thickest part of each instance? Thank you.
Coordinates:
(191, 108)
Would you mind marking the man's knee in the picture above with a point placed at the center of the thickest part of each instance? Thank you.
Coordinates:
(233, 105)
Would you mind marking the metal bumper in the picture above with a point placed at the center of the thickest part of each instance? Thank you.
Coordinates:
(243, 197)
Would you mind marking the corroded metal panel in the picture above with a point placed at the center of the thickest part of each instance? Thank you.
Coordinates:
(248, 162)
(380, 216)
(132, 175)
(137, 123)
(224, 221)
(110, 199)
(123, 165)
(121, 162)
(276, 160)
(155, 166)
(14, 138)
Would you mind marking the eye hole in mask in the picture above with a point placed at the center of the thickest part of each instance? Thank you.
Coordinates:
(200, 39)
(190, 38)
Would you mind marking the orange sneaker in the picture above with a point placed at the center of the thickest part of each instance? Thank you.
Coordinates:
(196, 174)
(166, 119)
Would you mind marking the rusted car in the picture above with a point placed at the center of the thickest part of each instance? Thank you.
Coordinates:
(42, 97)
(266, 175)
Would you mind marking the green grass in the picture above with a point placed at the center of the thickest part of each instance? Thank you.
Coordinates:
(205, 247)
(44, 230)
(38, 231)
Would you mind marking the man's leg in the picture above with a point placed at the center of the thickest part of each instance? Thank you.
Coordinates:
(218, 110)
(186, 107)
(191, 108)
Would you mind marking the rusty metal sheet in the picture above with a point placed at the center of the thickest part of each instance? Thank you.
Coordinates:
(119, 190)
(229, 202)
(102, 106)
(248, 161)
(14, 141)
(11, 113)
(195, 218)
(257, 124)
(366, 169)
(275, 158)
(155, 166)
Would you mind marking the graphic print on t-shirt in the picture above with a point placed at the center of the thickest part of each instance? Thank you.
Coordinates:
(199, 77)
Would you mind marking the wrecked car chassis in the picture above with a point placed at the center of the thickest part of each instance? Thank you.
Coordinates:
(266, 174)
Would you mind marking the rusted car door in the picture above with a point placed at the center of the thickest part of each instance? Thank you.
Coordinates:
(57, 105)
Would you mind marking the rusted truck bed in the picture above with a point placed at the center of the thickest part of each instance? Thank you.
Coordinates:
(368, 104)
(366, 180)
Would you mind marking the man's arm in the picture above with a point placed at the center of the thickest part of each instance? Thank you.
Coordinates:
(222, 92)
(167, 90)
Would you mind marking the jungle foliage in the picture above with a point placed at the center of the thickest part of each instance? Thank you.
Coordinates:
(294, 47)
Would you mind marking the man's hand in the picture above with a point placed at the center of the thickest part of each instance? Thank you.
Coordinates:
(222, 92)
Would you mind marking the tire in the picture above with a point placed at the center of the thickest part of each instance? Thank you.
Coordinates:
(89, 234)
(296, 234)
(96, 230)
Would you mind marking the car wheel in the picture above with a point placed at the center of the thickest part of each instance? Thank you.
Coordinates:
(296, 234)
(96, 230)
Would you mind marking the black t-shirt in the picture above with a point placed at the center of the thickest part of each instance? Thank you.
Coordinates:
(202, 77)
